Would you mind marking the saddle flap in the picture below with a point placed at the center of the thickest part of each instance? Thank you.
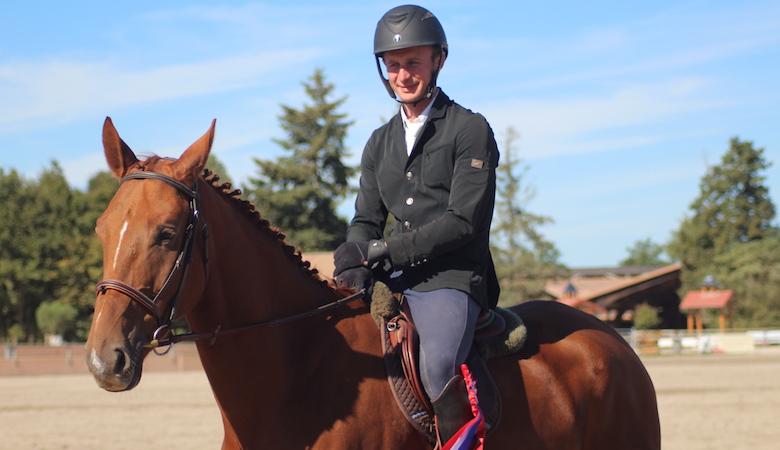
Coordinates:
(402, 342)
(400, 348)
(405, 343)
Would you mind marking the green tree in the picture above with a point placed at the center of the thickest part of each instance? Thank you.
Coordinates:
(752, 271)
(299, 192)
(14, 195)
(216, 166)
(645, 253)
(37, 223)
(55, 317)
(646, 317)
(83, 265)
(48, 248)
(733, 207)
(524, 259)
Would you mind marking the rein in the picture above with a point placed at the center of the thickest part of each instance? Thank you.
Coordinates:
(174, 338)
(164, 334)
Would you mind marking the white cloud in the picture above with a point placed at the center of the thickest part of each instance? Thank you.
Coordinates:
(563, 126)
(63, 90)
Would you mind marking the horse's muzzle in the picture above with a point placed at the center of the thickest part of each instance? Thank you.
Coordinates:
(115, 369)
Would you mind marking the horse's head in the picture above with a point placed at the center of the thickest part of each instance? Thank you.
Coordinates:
(147, 232)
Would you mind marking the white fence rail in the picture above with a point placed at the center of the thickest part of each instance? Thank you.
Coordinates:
(680, 342)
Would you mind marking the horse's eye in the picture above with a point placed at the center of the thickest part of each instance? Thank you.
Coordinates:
(165, 235)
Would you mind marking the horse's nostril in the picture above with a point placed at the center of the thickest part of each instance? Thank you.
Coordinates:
(119, 364)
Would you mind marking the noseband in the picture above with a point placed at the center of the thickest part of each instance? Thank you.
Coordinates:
(165, 321)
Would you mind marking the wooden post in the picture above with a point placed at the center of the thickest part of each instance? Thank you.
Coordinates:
(699, 325)
(722, 320)
(730, 316)
(690, 322)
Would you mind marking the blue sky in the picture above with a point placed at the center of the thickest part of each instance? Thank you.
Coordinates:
(621, 106)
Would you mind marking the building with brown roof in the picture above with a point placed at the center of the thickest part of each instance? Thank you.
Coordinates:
(614, 293)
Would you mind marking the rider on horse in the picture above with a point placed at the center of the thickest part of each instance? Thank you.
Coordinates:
(432, 166)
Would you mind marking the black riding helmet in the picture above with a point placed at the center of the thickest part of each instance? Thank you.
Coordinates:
(408, 26)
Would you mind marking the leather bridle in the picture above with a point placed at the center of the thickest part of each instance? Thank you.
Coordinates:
(165, 321)
(164, 334)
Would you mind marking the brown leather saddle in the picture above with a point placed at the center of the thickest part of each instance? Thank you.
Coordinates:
(401, 346)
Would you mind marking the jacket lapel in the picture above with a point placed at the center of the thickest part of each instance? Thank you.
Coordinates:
(438, 111)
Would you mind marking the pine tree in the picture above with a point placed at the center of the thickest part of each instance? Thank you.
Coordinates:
(733, 208)
(299, 192)
(524, 259)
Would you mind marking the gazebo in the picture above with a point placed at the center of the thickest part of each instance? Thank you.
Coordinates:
(708, 298)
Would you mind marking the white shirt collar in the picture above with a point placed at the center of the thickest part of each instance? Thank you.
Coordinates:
(423, 116)
(412, 128)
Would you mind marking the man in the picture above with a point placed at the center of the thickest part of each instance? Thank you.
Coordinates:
(432, 167)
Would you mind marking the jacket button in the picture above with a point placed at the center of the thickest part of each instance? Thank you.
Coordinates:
(409, 175)
(407, 225)
(409, 201)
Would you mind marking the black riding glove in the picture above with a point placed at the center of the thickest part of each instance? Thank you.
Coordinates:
(368, 254)
(358, 278)
(378, 253)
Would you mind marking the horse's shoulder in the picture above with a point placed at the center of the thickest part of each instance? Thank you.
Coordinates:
(358, 329)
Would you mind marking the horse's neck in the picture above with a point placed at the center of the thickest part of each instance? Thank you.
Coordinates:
(252, 274)
(299, 367)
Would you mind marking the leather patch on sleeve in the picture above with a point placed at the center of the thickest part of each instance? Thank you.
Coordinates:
(477, 163)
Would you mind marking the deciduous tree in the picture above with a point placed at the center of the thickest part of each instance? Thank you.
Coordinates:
(38, 220)
(48, 248)
(645, 253)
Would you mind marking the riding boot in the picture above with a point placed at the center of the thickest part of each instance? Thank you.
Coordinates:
(452, 409)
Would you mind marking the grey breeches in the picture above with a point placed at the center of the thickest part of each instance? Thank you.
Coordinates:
(445, 320)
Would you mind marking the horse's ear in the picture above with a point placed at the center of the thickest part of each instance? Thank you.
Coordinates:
(118, 155)
(191, 163)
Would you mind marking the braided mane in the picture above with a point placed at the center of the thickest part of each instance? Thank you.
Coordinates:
(234, 195)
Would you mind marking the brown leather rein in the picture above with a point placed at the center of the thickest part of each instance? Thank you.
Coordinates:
(164, 334)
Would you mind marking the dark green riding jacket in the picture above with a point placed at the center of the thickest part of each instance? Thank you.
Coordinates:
(442, 198)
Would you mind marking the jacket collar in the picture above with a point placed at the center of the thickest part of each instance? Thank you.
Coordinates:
(440, 104)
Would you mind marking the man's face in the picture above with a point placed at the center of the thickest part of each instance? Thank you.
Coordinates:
(410, 70)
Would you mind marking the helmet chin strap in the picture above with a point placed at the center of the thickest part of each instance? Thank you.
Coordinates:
(427, 95)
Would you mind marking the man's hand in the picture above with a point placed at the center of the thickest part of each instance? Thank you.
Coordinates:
(367, 254)
(358, 278)
(350, 255)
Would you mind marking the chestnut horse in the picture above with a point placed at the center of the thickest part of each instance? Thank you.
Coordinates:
(289, 372)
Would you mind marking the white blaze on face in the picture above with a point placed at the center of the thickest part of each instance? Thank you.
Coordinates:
(119, 245)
